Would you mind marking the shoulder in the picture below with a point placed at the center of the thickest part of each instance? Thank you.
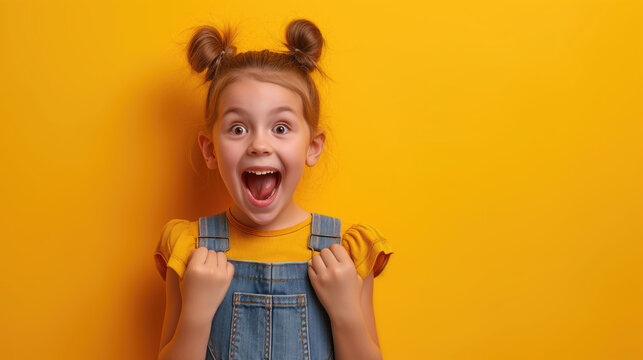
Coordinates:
(368, 248)
(176, 228)
(176, 242)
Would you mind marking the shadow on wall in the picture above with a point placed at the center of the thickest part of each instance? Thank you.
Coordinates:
(190, 190)
(194, 189)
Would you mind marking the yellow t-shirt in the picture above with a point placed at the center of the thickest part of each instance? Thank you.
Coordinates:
(367, 247)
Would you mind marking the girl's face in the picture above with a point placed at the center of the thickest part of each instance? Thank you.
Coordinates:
(261, 144)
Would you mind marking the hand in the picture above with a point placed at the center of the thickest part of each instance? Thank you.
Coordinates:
(206, 280)
(336, 282)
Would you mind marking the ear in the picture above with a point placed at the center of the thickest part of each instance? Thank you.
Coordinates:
(315, 148)
(207, 149)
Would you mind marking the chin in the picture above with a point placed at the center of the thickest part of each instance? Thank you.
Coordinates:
(263, 219)
(260, 216)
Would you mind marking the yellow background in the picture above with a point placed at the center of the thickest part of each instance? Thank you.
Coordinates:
(496, 144)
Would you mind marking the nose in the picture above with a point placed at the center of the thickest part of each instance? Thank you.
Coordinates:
(259, 145)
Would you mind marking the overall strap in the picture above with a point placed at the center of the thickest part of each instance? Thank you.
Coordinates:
(213, 232)
(324, 231)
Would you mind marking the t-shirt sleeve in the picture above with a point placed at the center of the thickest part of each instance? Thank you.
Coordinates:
(369, 250)
(174, 247)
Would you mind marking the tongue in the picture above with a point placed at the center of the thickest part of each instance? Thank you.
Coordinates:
(261, 185)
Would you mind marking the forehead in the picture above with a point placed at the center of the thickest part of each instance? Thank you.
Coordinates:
(258, 96)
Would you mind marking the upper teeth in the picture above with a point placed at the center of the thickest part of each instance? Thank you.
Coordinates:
(261, 172)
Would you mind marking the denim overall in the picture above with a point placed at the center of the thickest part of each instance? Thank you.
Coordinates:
(271, 310)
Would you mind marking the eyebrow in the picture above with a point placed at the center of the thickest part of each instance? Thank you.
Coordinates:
(238, 110)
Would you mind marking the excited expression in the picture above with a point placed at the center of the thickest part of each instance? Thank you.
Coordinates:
(261, 143)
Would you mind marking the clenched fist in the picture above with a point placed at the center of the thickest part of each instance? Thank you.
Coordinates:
(336, 281)
(206, 280)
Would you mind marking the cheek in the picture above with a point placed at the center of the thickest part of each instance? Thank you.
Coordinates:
(227, 160)
(297, 160)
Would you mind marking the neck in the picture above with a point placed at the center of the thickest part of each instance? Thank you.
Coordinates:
(293, 214)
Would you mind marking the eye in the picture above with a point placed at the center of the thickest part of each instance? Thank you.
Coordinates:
(281, 129)
(238, 130)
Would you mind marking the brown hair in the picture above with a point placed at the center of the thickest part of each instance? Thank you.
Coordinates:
(214, 51)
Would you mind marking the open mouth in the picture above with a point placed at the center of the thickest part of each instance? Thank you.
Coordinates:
(261, 185)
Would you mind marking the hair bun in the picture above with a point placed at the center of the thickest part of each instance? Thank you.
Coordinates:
(208, 47)
(305, 42)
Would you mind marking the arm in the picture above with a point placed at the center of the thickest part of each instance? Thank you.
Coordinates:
(185, 332)
(349, 302)
(354, 333)
(191, 303)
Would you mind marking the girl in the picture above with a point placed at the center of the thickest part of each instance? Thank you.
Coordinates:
(247, 283)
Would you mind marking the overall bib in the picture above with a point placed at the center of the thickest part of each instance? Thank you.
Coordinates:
(271, 310)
